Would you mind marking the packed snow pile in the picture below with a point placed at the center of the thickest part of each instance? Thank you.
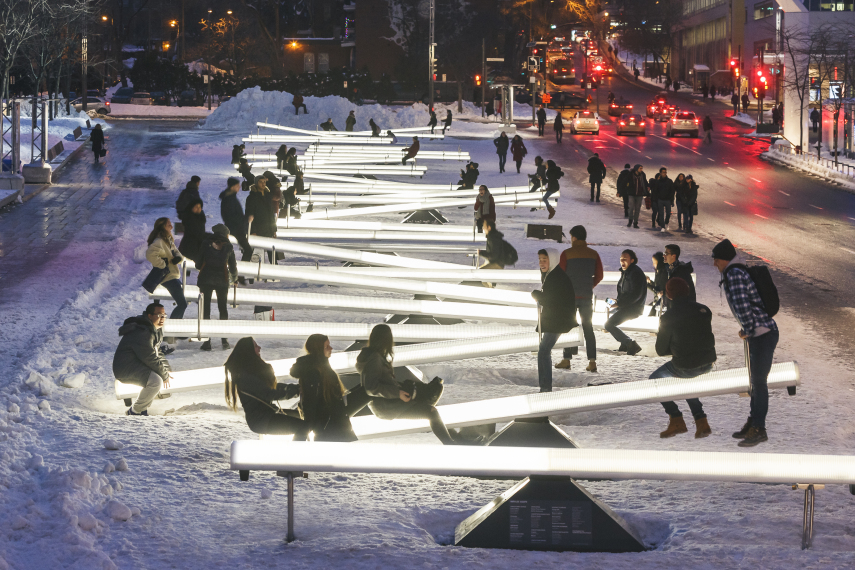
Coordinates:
(254, 105)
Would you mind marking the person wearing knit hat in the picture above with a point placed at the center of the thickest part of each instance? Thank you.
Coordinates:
(758, 331)
(685, 334)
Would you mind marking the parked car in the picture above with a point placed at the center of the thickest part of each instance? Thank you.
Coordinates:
(684, 122)
(159, 98)
(141, 98)
(631, 124)
(189, 98)
(122, 95)
(97, 104)
(620, 107)
(585, 121)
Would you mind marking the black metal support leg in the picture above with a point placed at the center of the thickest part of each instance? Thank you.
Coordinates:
(807, 522)
(290, 536)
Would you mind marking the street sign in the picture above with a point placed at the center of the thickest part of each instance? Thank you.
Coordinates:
(495, 59)
(835, 89)
(205, 77)
(531, 79)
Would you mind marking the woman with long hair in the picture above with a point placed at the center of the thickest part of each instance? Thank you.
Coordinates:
(657, 285)
(162, 253)
(680, 187)
(250, 380)
(325, 403)
(392, 399)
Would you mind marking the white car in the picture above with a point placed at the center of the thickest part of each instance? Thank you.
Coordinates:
(585, 121)
(97, 104)
(684, 122)
(141, 98)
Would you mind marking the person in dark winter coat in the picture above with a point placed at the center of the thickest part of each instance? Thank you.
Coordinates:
(297, 101)
(596, 174)
(446, 124)
(631, 296)
(391, 399)
(412, 151)
(138, 359)
(485, 207)
(690, 204)
(245, 170)
(274, 197)
(291, 162)
(469, 177)
(325, 404)
(194, 221)
(232, 213)
(624, 180)
(745, 103)
(708, 128)
(259, 215)
(677, 268)
(558, 127)
(657, 284)
(251, 381)
(541, 120)
(653, 187)
(432, 123)
(217, 270)
(685, 334)
(556, 304)
(97, 138)
(637, 191)
(502, 144)
(375, 130)
(518, 151)
(328, 125)
(281, 155)
(734, 100)
(238, 153)
(490, 109)
(349, 122)
(553, 174)
(815, 117)
(664, 198)
(190, 192)
(495, 252)
(680, 187)
(538, 179)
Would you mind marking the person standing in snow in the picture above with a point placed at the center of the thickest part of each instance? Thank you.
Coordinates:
(349, 122)
(502, 143)
(446, 124)
(232, 213)
(245, 170)
(556, 305)
(541, 120)
(217, 270)
(190, 192)
(328, 125)
(596, 174)
(518, 151)
(685, 334)
(814, 119)
(297, 101)
(558, 127)
(97, 138)
(259, 215)
(553, 174)
(251, 380)
(194, 222)
(433, 121)
(485, 208)
(138, 359)
(637, 192)
(631, 297)
(412, 151)
(391, 399)
(162, 253)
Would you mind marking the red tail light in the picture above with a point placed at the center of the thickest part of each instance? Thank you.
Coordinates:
(629, 106)
(696, 121)
(622, 123)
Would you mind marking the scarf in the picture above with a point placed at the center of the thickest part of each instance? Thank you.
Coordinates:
(484, 210)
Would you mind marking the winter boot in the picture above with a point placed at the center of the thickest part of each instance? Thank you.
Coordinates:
(755, 435)
(622, 347)
(226, 344)
(206, 345)
(131, 412)
(629, 223)
(166, 350)
(702, 428)
(675, 425)
(551, 211)
(436, 389)
(563, 365)
(592, 366)
(743, 433)
(632, 349)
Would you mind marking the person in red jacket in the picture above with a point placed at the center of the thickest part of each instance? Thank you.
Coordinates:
(518, 150)
(485, 208)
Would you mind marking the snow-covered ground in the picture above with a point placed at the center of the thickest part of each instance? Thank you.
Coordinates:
(845, 179)
(84, 486)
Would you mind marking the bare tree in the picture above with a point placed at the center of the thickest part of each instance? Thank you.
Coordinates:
(17, 26)
(266, 13)
(832, 60)
(799, 48)
(120, 15)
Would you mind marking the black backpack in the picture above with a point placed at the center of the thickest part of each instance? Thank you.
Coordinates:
(765, 286)
(510, 256)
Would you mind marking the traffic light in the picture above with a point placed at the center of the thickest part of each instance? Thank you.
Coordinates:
(477, 81)
(734, 68)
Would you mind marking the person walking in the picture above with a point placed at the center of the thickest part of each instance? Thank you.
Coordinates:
(653, 185)
(163, 254)
(233, 217)
(485, 208)
(349, 122)
(745, 102)
(712, 92)
(637, 190)
(392, 399)
(636, 73)
(194, 221)
(502, 143)
(680, 187)
(814, 119)
(97, 138)
(518, 151)
(281, 155)
(297, 101)
(553, 174)
(596, 174)
(412, 151)
(758, 330)
(631, 298)
(541, 120)
(252, 381)
(558, 126)
(433, 121)
(734, 100)
(556, 309)
(690, 204)
(664, 198)
(705, 91)
(217, 270)
(623, 184)
(446, 124)
(708, 128)
(138, 359)
(657, 284)
(685, 334)
(585, 269)
(190, 192)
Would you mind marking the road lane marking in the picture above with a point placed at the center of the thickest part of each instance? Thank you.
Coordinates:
(711, 160)
(755, 180)
(785, 194)
(759, 216)
(729, 204)
(848, 250)
(648, 157)
(733, 169)
(676, 143)
(621, 142)
(812, 206)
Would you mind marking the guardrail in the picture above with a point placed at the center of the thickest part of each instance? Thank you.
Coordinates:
(835, 165)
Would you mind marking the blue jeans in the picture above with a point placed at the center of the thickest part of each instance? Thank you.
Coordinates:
(586, 313)
(668, 370)
(546, 196)
(544, 361)
(681, 211)
(174, 288)
(761, 349)
(503, 158)
(616, 319)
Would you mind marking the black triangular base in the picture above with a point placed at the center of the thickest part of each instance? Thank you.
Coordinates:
(548, 514)
(424, 217)
(531, 432)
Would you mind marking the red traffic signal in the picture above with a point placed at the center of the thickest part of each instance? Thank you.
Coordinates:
(478, 81)
(733, 63)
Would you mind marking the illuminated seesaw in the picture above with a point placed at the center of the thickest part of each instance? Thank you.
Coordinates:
(345, 362)
(286, 232)
(359, 134)
(323, 138)
(334, 199)
(375, 226)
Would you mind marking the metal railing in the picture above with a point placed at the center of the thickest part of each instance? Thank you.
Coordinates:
(837, 166)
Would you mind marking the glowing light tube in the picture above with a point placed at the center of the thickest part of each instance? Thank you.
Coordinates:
(342, 254)
(375, 226)
(374, 235)
(381, 193)
(414, 130)
(585, 399)
(291, 139)
(335, 331)
(396, 248)
(367, 198)
(345, 362)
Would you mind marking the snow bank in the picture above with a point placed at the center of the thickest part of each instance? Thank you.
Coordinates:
(845, 181)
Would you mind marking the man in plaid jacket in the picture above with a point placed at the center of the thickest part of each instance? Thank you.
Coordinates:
(758, 330)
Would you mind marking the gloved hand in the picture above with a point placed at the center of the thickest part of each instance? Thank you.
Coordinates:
(536, 294)
(176, 260)
(292, 391)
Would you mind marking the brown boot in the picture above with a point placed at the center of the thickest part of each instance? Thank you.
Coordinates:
(592, 366)
(675, 425)
(551, 211)
(564, 364)
(702, 428)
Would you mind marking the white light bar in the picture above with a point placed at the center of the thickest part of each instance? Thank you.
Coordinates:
(374, 226)
(413, 130)
(345, 362)
(396, 248)
(369, 235)
(319, 133)
(367, 198)
(341, 254)
(291, 139)
(585, 399)
(335, 331)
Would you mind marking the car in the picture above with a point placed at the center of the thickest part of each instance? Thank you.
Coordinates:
(159, 98)
(631, 123)
(585, 121)
(562, 71)
(97, 104)
(122, 95)
(189, 98)
(684, 122)
(619, 107)
(141, 98)
(664, 112)
(564, 99)
(652, 107)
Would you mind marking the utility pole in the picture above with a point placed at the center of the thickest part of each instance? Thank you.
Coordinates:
(483, 75)
(83, 57)
(181, 33)
(431, 60)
